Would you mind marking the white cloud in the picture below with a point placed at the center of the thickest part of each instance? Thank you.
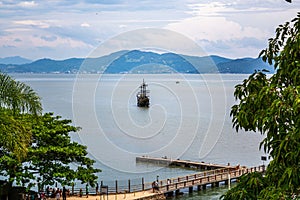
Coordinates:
(27, 4)
(209, 9)
(85, 25)
(36, 23)
(122, 26)
(214, 29)
(217, 35)
(232, 27)
(38, 43)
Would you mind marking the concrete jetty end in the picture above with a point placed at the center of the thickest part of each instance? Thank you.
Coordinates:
(181, 163)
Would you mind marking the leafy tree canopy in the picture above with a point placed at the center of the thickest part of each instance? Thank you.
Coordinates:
(271, 105)
(18, 96)
(15, 134)
(52, 156)
(36, 147)
(15, 98)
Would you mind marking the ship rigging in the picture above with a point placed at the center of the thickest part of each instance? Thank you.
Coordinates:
(142, 97)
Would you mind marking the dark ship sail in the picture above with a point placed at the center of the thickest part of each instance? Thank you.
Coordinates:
(142, 97)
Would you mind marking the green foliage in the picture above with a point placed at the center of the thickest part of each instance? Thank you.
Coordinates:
(249, 187)
(15, 134)
(35, 147)
(18, 96)
(15, 137)
(53, 157)
(271, 105)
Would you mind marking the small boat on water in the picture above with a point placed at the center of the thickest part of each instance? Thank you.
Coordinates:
(142, 97)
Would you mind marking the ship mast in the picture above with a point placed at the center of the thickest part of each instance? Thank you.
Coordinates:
(143, 89)
(142, 97)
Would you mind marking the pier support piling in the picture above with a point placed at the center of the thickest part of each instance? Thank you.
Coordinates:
(129, 185)
(198, 187)
(170, 194)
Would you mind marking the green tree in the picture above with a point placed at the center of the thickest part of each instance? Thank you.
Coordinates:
(35, 147)
(54, 157)
(16, 97)
(15, 138)
(15, 134)
(271, 105)
(249, 187)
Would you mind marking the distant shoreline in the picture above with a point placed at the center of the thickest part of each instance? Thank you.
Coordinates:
(140, 62)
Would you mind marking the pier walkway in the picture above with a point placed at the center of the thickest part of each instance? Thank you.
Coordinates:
(201, 180)
(212, 176)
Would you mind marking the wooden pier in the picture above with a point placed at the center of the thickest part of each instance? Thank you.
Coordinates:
(202, 180)
(209, 175)
(181, 163)
(213, 175)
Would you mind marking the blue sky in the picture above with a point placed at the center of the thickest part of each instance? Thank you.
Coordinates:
(60, 29)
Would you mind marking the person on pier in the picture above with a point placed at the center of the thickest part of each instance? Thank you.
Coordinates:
(155, 186)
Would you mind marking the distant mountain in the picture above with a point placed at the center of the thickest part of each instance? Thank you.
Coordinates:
(217, 59)
(136, 61)
(49, 66)
(17, 60)
(244, 66)
(71, 65)
(148, 62)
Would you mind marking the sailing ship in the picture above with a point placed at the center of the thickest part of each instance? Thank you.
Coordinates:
(142, 97)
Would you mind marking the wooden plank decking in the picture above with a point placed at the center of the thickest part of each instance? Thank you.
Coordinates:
(209, 175)
(214, 175)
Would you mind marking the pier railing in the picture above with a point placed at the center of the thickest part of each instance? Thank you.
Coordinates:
(212, 177)
(200, 179)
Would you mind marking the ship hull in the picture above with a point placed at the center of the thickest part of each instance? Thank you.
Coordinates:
(143, 102)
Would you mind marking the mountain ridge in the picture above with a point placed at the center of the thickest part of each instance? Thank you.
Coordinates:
(17, 60)
(136, 61)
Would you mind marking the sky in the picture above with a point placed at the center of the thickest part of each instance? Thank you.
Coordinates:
(61, 29)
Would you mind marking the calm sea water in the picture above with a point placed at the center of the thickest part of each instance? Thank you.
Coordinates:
(188, 118)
